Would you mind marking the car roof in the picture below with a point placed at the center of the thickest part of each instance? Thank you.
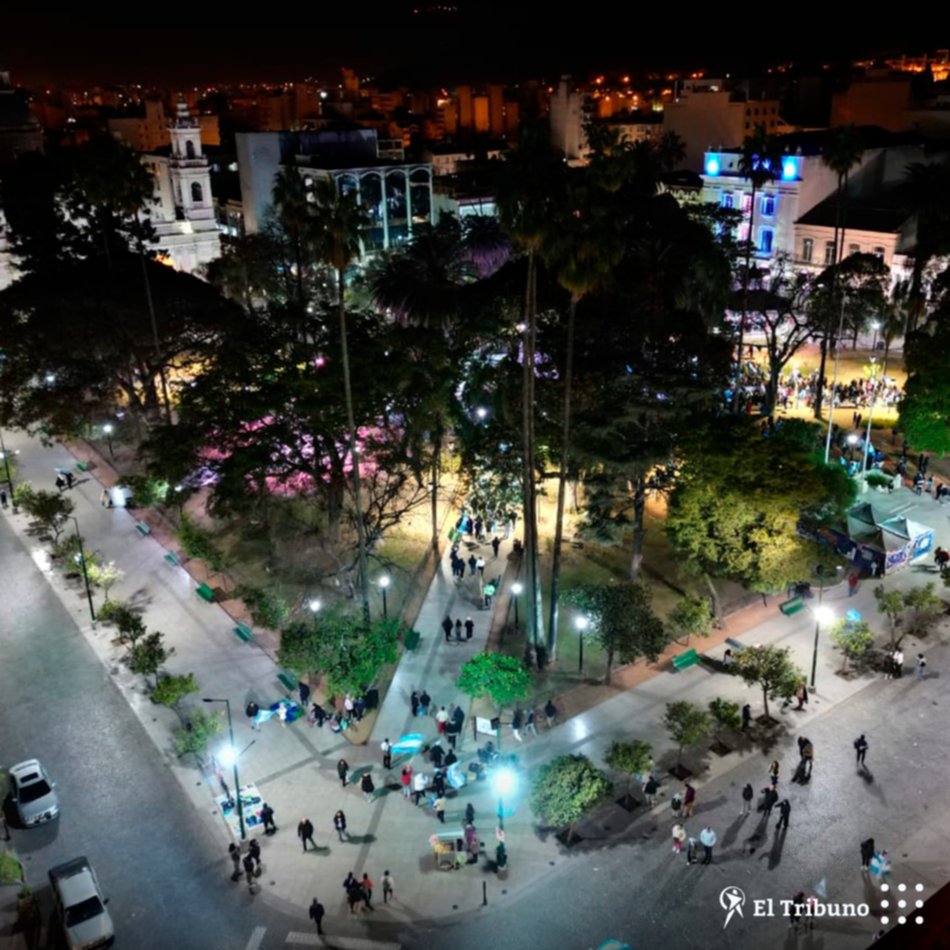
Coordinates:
(26, 769)
(75, 880)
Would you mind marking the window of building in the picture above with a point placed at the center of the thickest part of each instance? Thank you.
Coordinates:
(854, 248)
(727, 199)
(189, 148)
(768, 205)
(765, 240)
(747, 125)
(879, 252)
(197, 196)
(808, 249)
(829, 253)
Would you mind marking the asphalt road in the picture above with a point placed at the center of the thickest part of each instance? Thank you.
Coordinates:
(164, 875)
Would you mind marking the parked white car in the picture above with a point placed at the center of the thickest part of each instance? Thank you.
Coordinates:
(33, 793)
(80, 904)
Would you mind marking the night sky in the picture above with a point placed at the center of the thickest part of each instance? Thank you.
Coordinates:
(487, 40)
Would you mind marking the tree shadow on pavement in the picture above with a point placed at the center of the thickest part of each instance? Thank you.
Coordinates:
(360, 839)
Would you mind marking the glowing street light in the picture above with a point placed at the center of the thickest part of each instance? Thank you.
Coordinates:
(504, 782)
(314, 605)
(852, 441)
(482, 413)
(582, 623)
(516, 590)
(875, 327)
(823, 615)
(108, 429)
(384, 581)
(228, 756)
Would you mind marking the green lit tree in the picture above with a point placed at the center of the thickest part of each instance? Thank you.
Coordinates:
(853, 638)
(51, 509)
(199, 728)
(171, 690)
(725, 715)
(503, 679)
(147, 655)
(772, 670)
(105, 575)
(925, 607)
(566, 789)
(692, 616)
(891, 604)
(687, 725)
(634, 757)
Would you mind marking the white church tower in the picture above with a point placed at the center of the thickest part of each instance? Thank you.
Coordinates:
(182, 211)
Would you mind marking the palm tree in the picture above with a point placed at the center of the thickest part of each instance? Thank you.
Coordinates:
(843, 151)
(584, 247)
(295, 215)
(525, 197)
(760, 163)
(339, 221)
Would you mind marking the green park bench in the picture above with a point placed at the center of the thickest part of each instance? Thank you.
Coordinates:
(82, 466)
(410, 639)
(685, 660)
(205, 593)
(791, 606)
(288, 681)
(173, 558)
(143, 529)
(243, 632)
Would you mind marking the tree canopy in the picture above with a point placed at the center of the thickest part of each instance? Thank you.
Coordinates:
(566, 788)
(503, 679)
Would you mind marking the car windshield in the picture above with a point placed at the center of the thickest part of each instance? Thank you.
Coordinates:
(35, 790)
(85, 910)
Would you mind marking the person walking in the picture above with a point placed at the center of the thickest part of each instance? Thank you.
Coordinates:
(746, 716)
(447, 626)
(897, 663)
(317, 912)
(495, 544)
(414, 702)
(550, 713)
(387, 749)
(768, 802)
(249, 872)
(234, 850)
(439, 806)
(852, 583)
(861, 749)
(69, 479)
(441, 720)
(254, 850)
(469, 628)
(801, 694)
(472, 564)
(530, 726)
(808, 758)
(425, 700)
(388, 885)
(480, 563)
(650, 788)
(867, 852)
(438, 783)
(516, 722)
(773, 773)
(339, 823)
(305, 833)
(267, 817)
(342, 767)
(367, 787)
(747, 795)
(458, 630)
(405, 779)
(689, 800)
(366, 888)
(920, 667)
(60, 482)
(784, 810)
(707, 838)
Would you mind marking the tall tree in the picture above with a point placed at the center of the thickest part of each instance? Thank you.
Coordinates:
(526, 192)
(759, 163)
(340, 221)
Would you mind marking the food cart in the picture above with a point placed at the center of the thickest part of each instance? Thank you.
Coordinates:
(448, 849)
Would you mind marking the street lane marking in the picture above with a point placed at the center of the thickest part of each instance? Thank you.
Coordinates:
(257, 935)
(343, 943)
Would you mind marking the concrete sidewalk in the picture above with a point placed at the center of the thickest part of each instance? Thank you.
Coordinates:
(295, 766)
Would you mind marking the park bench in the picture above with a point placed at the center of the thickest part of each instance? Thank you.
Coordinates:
(143, 529)
(737, 647)
(243, 632)
(685, 660)
(288, 681)
(173, 558)
(410, 639)
(791, 606)
(205, 593)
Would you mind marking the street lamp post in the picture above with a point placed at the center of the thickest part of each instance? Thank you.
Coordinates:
(108, 428)
(504, 782)
(384, 583)
(852, 441)
(875, 327)
(314, 605)
(822, 615)
(231, 753)
(582, 623)
(85, 573)
(516, 590)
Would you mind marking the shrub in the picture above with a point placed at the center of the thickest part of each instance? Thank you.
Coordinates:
(148, 653)
(267, 608)
(198, 542)
(146, 491)
(171, 690)
(23, 495)
(199, 729)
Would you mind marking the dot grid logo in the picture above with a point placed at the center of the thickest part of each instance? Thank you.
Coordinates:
(900, 903)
